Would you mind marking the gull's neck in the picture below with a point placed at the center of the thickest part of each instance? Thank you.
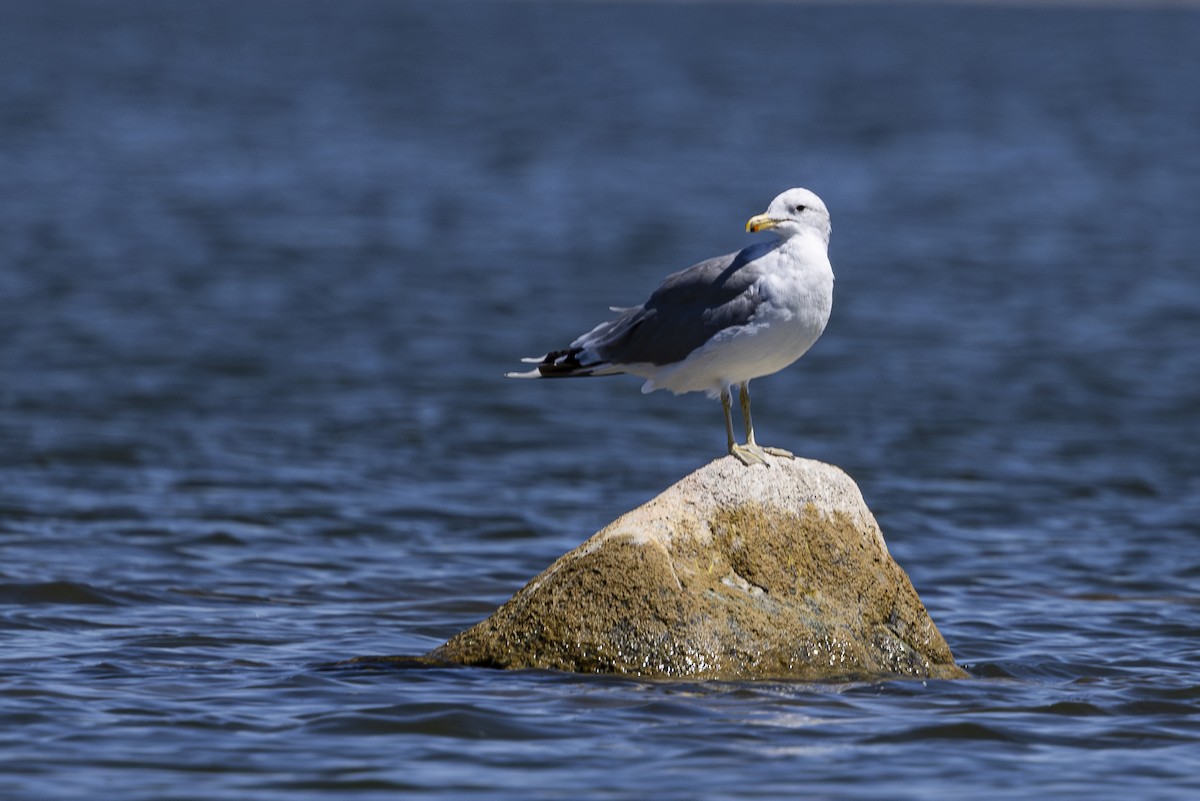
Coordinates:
(805, 242)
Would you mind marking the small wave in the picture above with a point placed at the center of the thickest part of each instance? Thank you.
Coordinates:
(63, 592)
(965, 730)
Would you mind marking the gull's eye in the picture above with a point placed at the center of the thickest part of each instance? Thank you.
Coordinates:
(800, 208)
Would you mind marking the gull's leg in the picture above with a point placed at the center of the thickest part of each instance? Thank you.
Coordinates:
(726, 404)
(744, 397)
(746, 454)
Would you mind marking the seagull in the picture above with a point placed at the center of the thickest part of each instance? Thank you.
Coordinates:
(722, 322)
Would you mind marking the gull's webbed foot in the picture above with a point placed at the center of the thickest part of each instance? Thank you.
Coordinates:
(751, 454)
(748, 454)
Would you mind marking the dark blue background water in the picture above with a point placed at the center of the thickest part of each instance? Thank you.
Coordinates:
(262, 266)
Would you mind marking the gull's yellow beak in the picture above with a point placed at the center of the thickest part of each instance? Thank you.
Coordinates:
(760, 223)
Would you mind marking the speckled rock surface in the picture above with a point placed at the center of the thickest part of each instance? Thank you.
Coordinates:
(770, 571)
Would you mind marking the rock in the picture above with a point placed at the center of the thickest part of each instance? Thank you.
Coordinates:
(771, 571)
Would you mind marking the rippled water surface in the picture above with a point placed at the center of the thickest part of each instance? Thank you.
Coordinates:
(263, 264)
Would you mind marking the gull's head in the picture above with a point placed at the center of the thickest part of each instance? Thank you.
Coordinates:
(796, 211)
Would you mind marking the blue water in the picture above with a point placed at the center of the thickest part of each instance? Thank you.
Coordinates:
(262, 266)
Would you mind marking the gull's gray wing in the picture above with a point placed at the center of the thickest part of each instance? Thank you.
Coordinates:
(686, 310)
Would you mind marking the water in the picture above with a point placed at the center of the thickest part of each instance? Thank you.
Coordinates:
(262, 266)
